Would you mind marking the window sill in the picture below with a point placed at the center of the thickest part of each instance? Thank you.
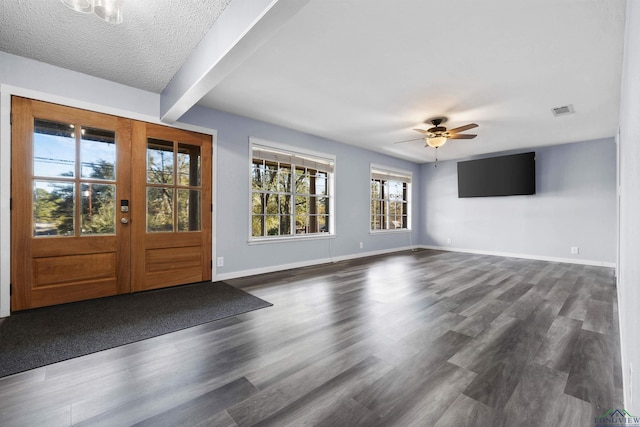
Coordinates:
(394, 231)
(287, 239)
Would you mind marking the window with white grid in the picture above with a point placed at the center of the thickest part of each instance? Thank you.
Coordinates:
(390, 199)
(291, 192)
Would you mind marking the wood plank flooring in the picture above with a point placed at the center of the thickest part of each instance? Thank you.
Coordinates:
(422, 338)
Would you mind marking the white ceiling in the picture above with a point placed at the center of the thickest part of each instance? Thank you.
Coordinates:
(365, 72)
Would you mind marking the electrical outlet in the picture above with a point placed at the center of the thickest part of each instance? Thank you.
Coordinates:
(220, 261)
(574, 250)
(361, 245)
(449, 240)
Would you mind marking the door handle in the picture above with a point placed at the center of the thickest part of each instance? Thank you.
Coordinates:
(124, 221)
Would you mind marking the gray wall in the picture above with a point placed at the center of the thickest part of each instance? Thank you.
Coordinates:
(574, 205)
(629, 239)
(438, 214)
(351, 198)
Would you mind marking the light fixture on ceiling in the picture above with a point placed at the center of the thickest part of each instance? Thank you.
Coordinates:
(84, 6)
(436, 141)
(107, 10)
(437, 135)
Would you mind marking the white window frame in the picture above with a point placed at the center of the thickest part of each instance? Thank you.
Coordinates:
(295, 156)
(386, 174)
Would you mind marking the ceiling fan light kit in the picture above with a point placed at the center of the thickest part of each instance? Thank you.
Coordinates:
(436, 141)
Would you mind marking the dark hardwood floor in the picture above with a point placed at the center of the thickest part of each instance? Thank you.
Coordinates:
(422, 338)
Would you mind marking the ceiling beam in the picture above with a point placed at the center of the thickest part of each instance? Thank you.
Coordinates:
(243, 27)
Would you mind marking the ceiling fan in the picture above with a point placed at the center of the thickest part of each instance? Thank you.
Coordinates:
(437, 135)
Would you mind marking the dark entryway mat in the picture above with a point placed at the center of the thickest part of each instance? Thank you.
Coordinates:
(42, 336)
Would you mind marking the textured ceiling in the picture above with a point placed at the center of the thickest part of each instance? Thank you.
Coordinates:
(365, 72)
(145, 51)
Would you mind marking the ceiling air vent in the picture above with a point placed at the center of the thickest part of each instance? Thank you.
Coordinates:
(563, 111)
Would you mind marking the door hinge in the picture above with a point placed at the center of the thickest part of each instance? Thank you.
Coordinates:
(211, 264)
(10, 289)
(10, 203)
(212, 210)
(10, 118)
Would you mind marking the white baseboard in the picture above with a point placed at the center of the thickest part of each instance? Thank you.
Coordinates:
(524, 256)
(289, 266)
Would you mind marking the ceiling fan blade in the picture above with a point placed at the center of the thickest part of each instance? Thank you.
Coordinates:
(409, 140)
(422, 131)
(462, 136)
(462, 128)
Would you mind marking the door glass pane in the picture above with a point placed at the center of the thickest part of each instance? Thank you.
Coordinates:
(188, 210)
(188, 165)
(159, 209)
(98, 208)
(159, 161)
(98, 154)
(53, 208)
(54, 149)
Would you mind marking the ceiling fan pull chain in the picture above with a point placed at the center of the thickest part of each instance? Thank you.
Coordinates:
(435, 165)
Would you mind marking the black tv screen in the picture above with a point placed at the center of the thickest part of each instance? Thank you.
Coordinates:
(498, 176)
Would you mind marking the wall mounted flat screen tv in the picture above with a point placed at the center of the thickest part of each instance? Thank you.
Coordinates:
(512, 175)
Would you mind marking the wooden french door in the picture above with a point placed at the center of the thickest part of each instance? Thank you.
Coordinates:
(172, 207)
(103, 205)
